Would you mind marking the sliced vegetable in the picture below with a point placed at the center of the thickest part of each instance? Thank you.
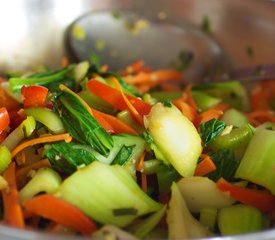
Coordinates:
(239, 219)
(258, 161)
(176, 137)
(5, 158)
(201, 192)
(208, 217)
(78, 120)
(260, 199)
(60, 211)
(181, 224)
(205, 166)
(47, 117)
(118, 191)
(4, 118)
(113, 97)
(13, 215)
(234, 117)
(44, 180)
(34, 96)
(205, 101)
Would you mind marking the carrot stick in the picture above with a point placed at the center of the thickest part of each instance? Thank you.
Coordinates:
(144, 182)
(135, 67)
(102, 121)
(132, 109)
(210, 114)
(117, 125)
(139, 165)
(256, 198)
(60, 211)
(205, 166)
(42, 139)
(13, 215)
(36, 165)
(186, 109)
(221, 107)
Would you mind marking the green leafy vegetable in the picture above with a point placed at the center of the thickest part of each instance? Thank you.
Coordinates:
(123, 155)
(226, 164)
(79, 122)
(211, 129)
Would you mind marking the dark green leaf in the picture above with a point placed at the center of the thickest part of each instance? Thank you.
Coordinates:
(67, 157)
(226, 164)
(124, 155)
(147, 137)
(82, 125)
(210, 129)
(167, 103)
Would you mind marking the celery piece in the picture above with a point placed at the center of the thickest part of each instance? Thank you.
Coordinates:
(101, 190)
(181, 223)
(44, 180)
(201, 192)
(239, 219)
(232, 92)
(141, 229)
(237, 138)
(47, 117)
(80, 70)
(25, 129)
(257, 164)
(95, 102)
(16, 83)
(5, 158)
(205, 101)
(208, 217)
(125, 116)
(175, 136)
(234, 117)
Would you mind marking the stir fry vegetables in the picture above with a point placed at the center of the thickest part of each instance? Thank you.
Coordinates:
(131, 154)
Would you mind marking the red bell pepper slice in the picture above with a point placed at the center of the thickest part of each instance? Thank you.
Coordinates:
(4, 118)
(262, 200)
(60, 211)
(113, 97)
(34, 96)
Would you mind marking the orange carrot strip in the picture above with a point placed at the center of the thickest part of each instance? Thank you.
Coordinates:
(103, 122)
(117, 125)
(144, 186)
(36, 165)
(13, 215)
(42, 139)
(186, 109)
(221, 107)
(139, 165)
(205, 166)
(60, 211)
(135, 67)
(132, 109)
(210, 114)
(257, 198)
(155, 76)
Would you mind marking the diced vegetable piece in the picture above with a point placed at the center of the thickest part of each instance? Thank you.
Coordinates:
(234, 117)
(208, 217)
(5, 158)
(25, 129)
(239, 219)
(175, 136)
(79, 122)
(126, 117)
(16, 83)
(181, 224)
(257, 164)
(201, 192)
(237, 138)
(4, 118)
(44, 180)
(112, 188)
(232, 92)
(47, 117)
(80, 70)
(205, 101)
(141, 229)
(34, 96)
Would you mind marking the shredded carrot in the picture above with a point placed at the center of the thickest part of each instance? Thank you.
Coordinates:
(186, 109)
(133, 68)
(155, 76)
(139, 165)
(187, 96)
(144, 186)
(35, 165)
(210, 114)
(42, 139)
(13, 214)
(133, 111)
(64, 61)
(116, 125)
(205, 166)
(221, 107)
(20, 158)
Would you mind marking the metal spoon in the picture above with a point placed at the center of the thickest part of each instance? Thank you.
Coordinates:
(120, 38)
